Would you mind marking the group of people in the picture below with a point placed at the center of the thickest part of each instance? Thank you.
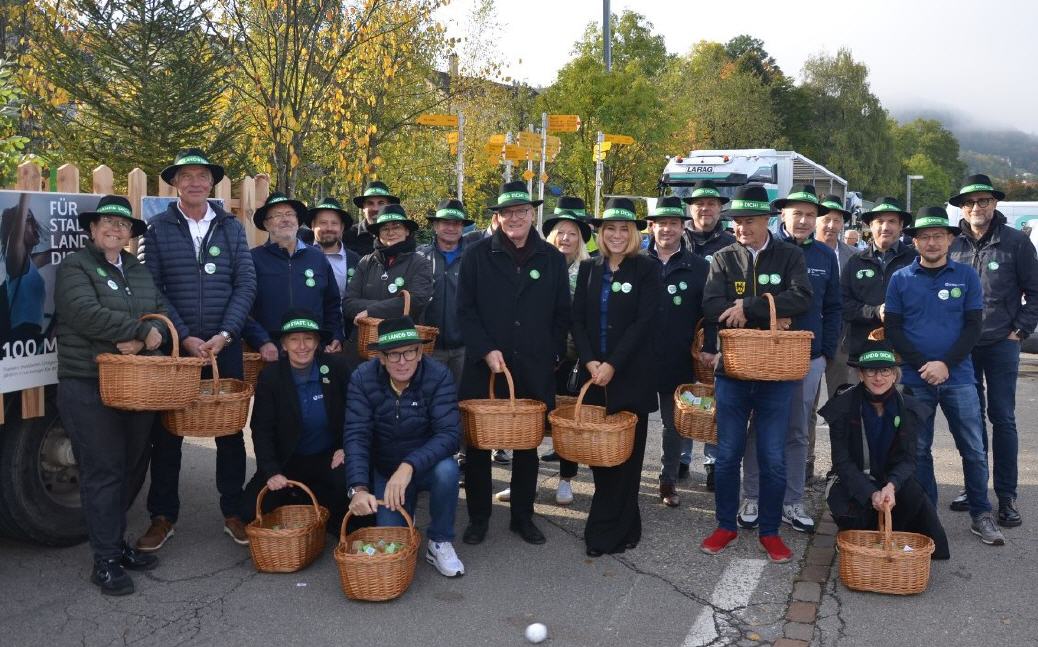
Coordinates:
(367, 436)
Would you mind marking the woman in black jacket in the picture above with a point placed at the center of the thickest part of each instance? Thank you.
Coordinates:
(613, 307)
(297, 422)
(872, 431)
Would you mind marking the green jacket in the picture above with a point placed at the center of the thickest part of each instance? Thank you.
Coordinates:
(97, 306)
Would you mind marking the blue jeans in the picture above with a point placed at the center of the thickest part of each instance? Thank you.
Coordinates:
(769, 403)
(996, 367)
(441, 482)
(676, 448)
(961, 407)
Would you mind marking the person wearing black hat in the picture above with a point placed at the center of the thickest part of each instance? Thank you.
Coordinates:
(733, 298)
(872, 435)
(575, 206)
(329, 221)
(297, 420)
(359, 237)
(401, 434)
(290, 274)
(614, 307)
(514, 307)
(706, 233)
(863, 283)
(100, 293)
(933, 313)
(683, 275)
(1005, 259)
(199, 257)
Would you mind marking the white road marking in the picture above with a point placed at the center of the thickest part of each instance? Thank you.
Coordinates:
(734, 588)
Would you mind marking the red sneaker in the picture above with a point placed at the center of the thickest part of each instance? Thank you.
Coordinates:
(776, 549)
(718, 541)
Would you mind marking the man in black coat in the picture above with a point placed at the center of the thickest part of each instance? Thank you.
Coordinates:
(514, 308)
(705, 232)
(375, 196)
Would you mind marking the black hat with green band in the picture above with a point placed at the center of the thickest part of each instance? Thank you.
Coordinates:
(451, 210)
(113, 205)
(669, 207)
(800, 193)
(302, 320)
(191, 157)
(887, 204)
(375, 189)
(832, 202)
(931, 218)
(273, 200)
(394, 333)
(582, 223)
(392, 213)
(619, 210)
(571, 203)
(874, 354)
(704, 189)
(513, 194)
(749, 200)
(328, 204)
(975, 184)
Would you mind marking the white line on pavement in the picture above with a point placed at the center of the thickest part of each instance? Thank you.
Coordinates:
(733, 590)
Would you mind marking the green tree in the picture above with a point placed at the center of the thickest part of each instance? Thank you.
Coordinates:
(11, 143)
(935, 187)
(926, 148)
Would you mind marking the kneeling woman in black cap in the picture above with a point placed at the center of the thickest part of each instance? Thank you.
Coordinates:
(613, 307)
(872, 431)
(297, 421)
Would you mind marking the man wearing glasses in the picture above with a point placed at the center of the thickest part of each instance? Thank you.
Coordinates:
(1005, 260)
(933, 312)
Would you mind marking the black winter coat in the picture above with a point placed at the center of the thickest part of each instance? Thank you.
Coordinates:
(680, 308)
(863, 287)
(358, 239)
(442, 311)
(370, 290)
(631, 312)
(707, 244)
(524, 312)
(276, 417)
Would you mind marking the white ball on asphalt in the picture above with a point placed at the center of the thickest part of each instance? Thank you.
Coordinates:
(536, 632)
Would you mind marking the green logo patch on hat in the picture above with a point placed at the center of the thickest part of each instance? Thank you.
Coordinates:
(192, 159)
(374, 190)
(929, 221)
(408, 334)
(512, 195)
(705, 193)
(297, 324)
(974, 188)
(451, 214)
(117, 210)
(749, 204)
(669, 211)
(877, 356)
(618, 214)
(390, 217)
(833, 205)
(802, 196)
(578, 212)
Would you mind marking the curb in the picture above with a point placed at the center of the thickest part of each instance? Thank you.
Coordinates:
(802, 612)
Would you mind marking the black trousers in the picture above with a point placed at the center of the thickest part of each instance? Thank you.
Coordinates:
(108, 445)
(478, 484)
(913, 512)
(328, 485)
(614, 520)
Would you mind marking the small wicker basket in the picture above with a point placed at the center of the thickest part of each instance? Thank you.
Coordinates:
(288, 538)
(771, 355)
(379, 577)
(503, 424)
(586, 434)
(221, 408)
(253, 363)
(367, 331)
(693, 422)
(876, 560)
(702, 371)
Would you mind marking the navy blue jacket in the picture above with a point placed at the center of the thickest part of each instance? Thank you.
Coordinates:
(825, 316)
(421, 427)
(305, 280)
(680, 308)
(201, 304)
(442, 311)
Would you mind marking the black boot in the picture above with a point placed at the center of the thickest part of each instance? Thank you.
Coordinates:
(135, 560)
(110, 576)
(709, 477)
(1008, 516)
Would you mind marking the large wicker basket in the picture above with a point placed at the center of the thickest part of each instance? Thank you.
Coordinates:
(693, 422)
(586, 434)
(150, 382)
(703, 372)
(379, 577)
(253, 363)
(367, 331)
(503, 424)
(288, 538)
(876, 561)
(221, 408)
(771, 355)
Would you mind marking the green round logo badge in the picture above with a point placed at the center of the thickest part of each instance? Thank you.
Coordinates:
(309, 273)
(956, 293)
(324, 370)
(615, 287)
(310, 283)
(534, 274)
(112, 284)
(993, 265)
(350, 272)
(870, 273)
(399, 281)
(102, 272)
(214, 251)
(897, 421)
(683, 285)
(677, 300)
(763, 279)
(672, 289)
(775, 279)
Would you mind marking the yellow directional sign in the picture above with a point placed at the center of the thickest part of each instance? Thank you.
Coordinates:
(452, 137)
(498, 139)
(454, 149)
(529, 140)
(563, 123)
(619, 139)
(528, 175)
(544, 177)
(600, 151)
(515, 152)
(554, 141)
(433, 119)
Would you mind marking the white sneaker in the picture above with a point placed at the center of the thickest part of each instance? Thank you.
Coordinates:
(442, 556)
(747, 517)
(504, 496)
(564, 495)
(796, 516)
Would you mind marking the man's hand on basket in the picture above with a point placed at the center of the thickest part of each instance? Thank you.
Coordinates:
(193, 346)
(337, 458)
(214, 345)
(733, 317)
(783, 323)
(883, 498)
(269, 352)
(334, 347)
(363, 503)
(604, 375)
(496, 361)
(396, 487)
(277, 482)
(710, 359)
(360, 315)
(153, 340)
(131, 347)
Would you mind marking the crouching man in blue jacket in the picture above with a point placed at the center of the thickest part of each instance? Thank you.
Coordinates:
(401, 434)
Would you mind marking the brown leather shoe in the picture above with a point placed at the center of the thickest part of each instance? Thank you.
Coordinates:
(161, 529)
(668, 496)
(234, 527)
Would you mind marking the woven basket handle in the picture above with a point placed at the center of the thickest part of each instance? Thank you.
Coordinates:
(216, 379)
(407, 302)
(263, 492)
(511, 386)
(345, 520)
(580, 399)
(172, 331)
(773, 322)
(886, 526)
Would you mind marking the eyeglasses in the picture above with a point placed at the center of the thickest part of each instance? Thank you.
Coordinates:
(515, 213)
(401, 355)
(280, 215)
(116, 222)
(932, 237)
(886, 371)
(983, 203)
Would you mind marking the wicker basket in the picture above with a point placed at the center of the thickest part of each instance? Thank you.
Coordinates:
(875, 560)
(693, 422)
(703, 372)
(253, 363)
(367, 331)
(149, 382)
(221, 408)
(586, 434)
(503, 424)
(771, 355)
(296, 543)
(376, 578)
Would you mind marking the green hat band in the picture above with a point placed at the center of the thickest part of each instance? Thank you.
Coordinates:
(277, 199)
(389, 217)
(116, 209)
(191, 159)
(512, 195)
(451, 214)
(802, 196)
(618, 214)
(408, 334)
(296, 324)
(375, 190)
(885, 207)
(973, 188)
(930, 221)
(833, 205)
(328, 205)
(705, 193)
(877, 356)
(579, 212)
(749, 204)
(669, 211)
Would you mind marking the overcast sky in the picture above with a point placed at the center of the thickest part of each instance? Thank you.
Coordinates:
(977, 58)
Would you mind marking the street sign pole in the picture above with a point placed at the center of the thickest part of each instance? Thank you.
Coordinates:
(529, 167)
(540, 178)
(598, 171)
(508, 162)
(461, 157)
